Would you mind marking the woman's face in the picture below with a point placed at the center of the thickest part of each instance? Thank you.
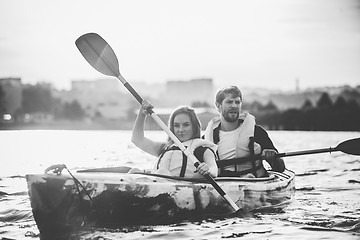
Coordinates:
(183, 128)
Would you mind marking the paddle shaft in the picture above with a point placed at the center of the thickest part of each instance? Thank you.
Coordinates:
(179, 144)
(350, 147)
(297, 153)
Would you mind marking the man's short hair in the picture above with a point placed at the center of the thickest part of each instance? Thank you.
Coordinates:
(221, 94)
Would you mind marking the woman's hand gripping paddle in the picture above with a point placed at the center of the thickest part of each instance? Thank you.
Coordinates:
(101, 56)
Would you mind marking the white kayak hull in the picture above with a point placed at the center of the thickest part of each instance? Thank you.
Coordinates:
(64, 203)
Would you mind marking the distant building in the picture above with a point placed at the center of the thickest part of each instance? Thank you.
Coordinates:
(104, 97)
(188, 92)
(12, 89)
(82, 86)
(147, 90)
(204, 115)
(98, 98)
(100, 85)
(297, 85)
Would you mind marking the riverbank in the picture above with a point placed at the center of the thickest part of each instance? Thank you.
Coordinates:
(71, 125)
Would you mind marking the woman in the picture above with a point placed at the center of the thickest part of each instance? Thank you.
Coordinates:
(186, 127)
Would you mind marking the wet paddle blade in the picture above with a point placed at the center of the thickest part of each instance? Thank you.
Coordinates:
(351, 146)
(98, 54)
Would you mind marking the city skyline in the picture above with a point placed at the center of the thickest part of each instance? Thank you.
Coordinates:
(299, 43)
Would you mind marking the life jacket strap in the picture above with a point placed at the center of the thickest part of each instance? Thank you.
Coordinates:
(184, 165)
(164, 151)
(233, 161)
(252, 153)
(216, 134)
(229, 173)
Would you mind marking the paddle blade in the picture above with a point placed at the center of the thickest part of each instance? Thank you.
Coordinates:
(98, 53)
(351, 146)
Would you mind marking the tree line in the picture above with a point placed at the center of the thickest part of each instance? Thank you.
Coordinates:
(38, 99)
(324, 115)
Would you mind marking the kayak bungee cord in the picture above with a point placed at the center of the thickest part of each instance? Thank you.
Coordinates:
(57, 169)
(77, 183)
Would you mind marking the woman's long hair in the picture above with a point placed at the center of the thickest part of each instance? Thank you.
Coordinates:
(196, 125)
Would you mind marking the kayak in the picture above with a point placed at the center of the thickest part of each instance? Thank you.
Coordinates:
(111, 197)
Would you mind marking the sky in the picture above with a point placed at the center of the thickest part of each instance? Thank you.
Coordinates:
(249, 43)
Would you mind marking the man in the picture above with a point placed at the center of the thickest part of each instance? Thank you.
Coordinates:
(238, 138)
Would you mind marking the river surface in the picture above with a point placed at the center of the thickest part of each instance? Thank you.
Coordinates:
(326, 203)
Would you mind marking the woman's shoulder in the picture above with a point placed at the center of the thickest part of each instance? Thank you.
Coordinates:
(197, 142)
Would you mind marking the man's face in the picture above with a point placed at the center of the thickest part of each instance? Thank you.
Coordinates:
(230, 108)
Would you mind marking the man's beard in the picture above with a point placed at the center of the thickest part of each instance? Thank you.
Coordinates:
(230, 117)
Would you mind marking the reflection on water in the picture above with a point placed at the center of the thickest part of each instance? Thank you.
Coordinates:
(326, 202)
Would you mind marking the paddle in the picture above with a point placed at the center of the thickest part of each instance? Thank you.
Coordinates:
(351, 146)
(101, 56)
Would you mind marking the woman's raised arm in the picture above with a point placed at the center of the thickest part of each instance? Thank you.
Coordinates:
(138, 137)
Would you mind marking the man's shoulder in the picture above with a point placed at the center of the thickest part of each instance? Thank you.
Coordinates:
(214, 122)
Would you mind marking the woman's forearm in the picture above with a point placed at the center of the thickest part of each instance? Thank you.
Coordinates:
(213, 170)
(210, 160)
(138, 129)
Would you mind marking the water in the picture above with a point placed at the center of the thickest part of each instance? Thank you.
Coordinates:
(326, 204)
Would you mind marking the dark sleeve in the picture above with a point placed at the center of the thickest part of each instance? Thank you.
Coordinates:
(262, 138)
(199, 153)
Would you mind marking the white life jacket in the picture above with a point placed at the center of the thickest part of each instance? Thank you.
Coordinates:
(244, 145)
(175, 161)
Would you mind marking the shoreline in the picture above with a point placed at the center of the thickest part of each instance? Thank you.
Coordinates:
(70, 125)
